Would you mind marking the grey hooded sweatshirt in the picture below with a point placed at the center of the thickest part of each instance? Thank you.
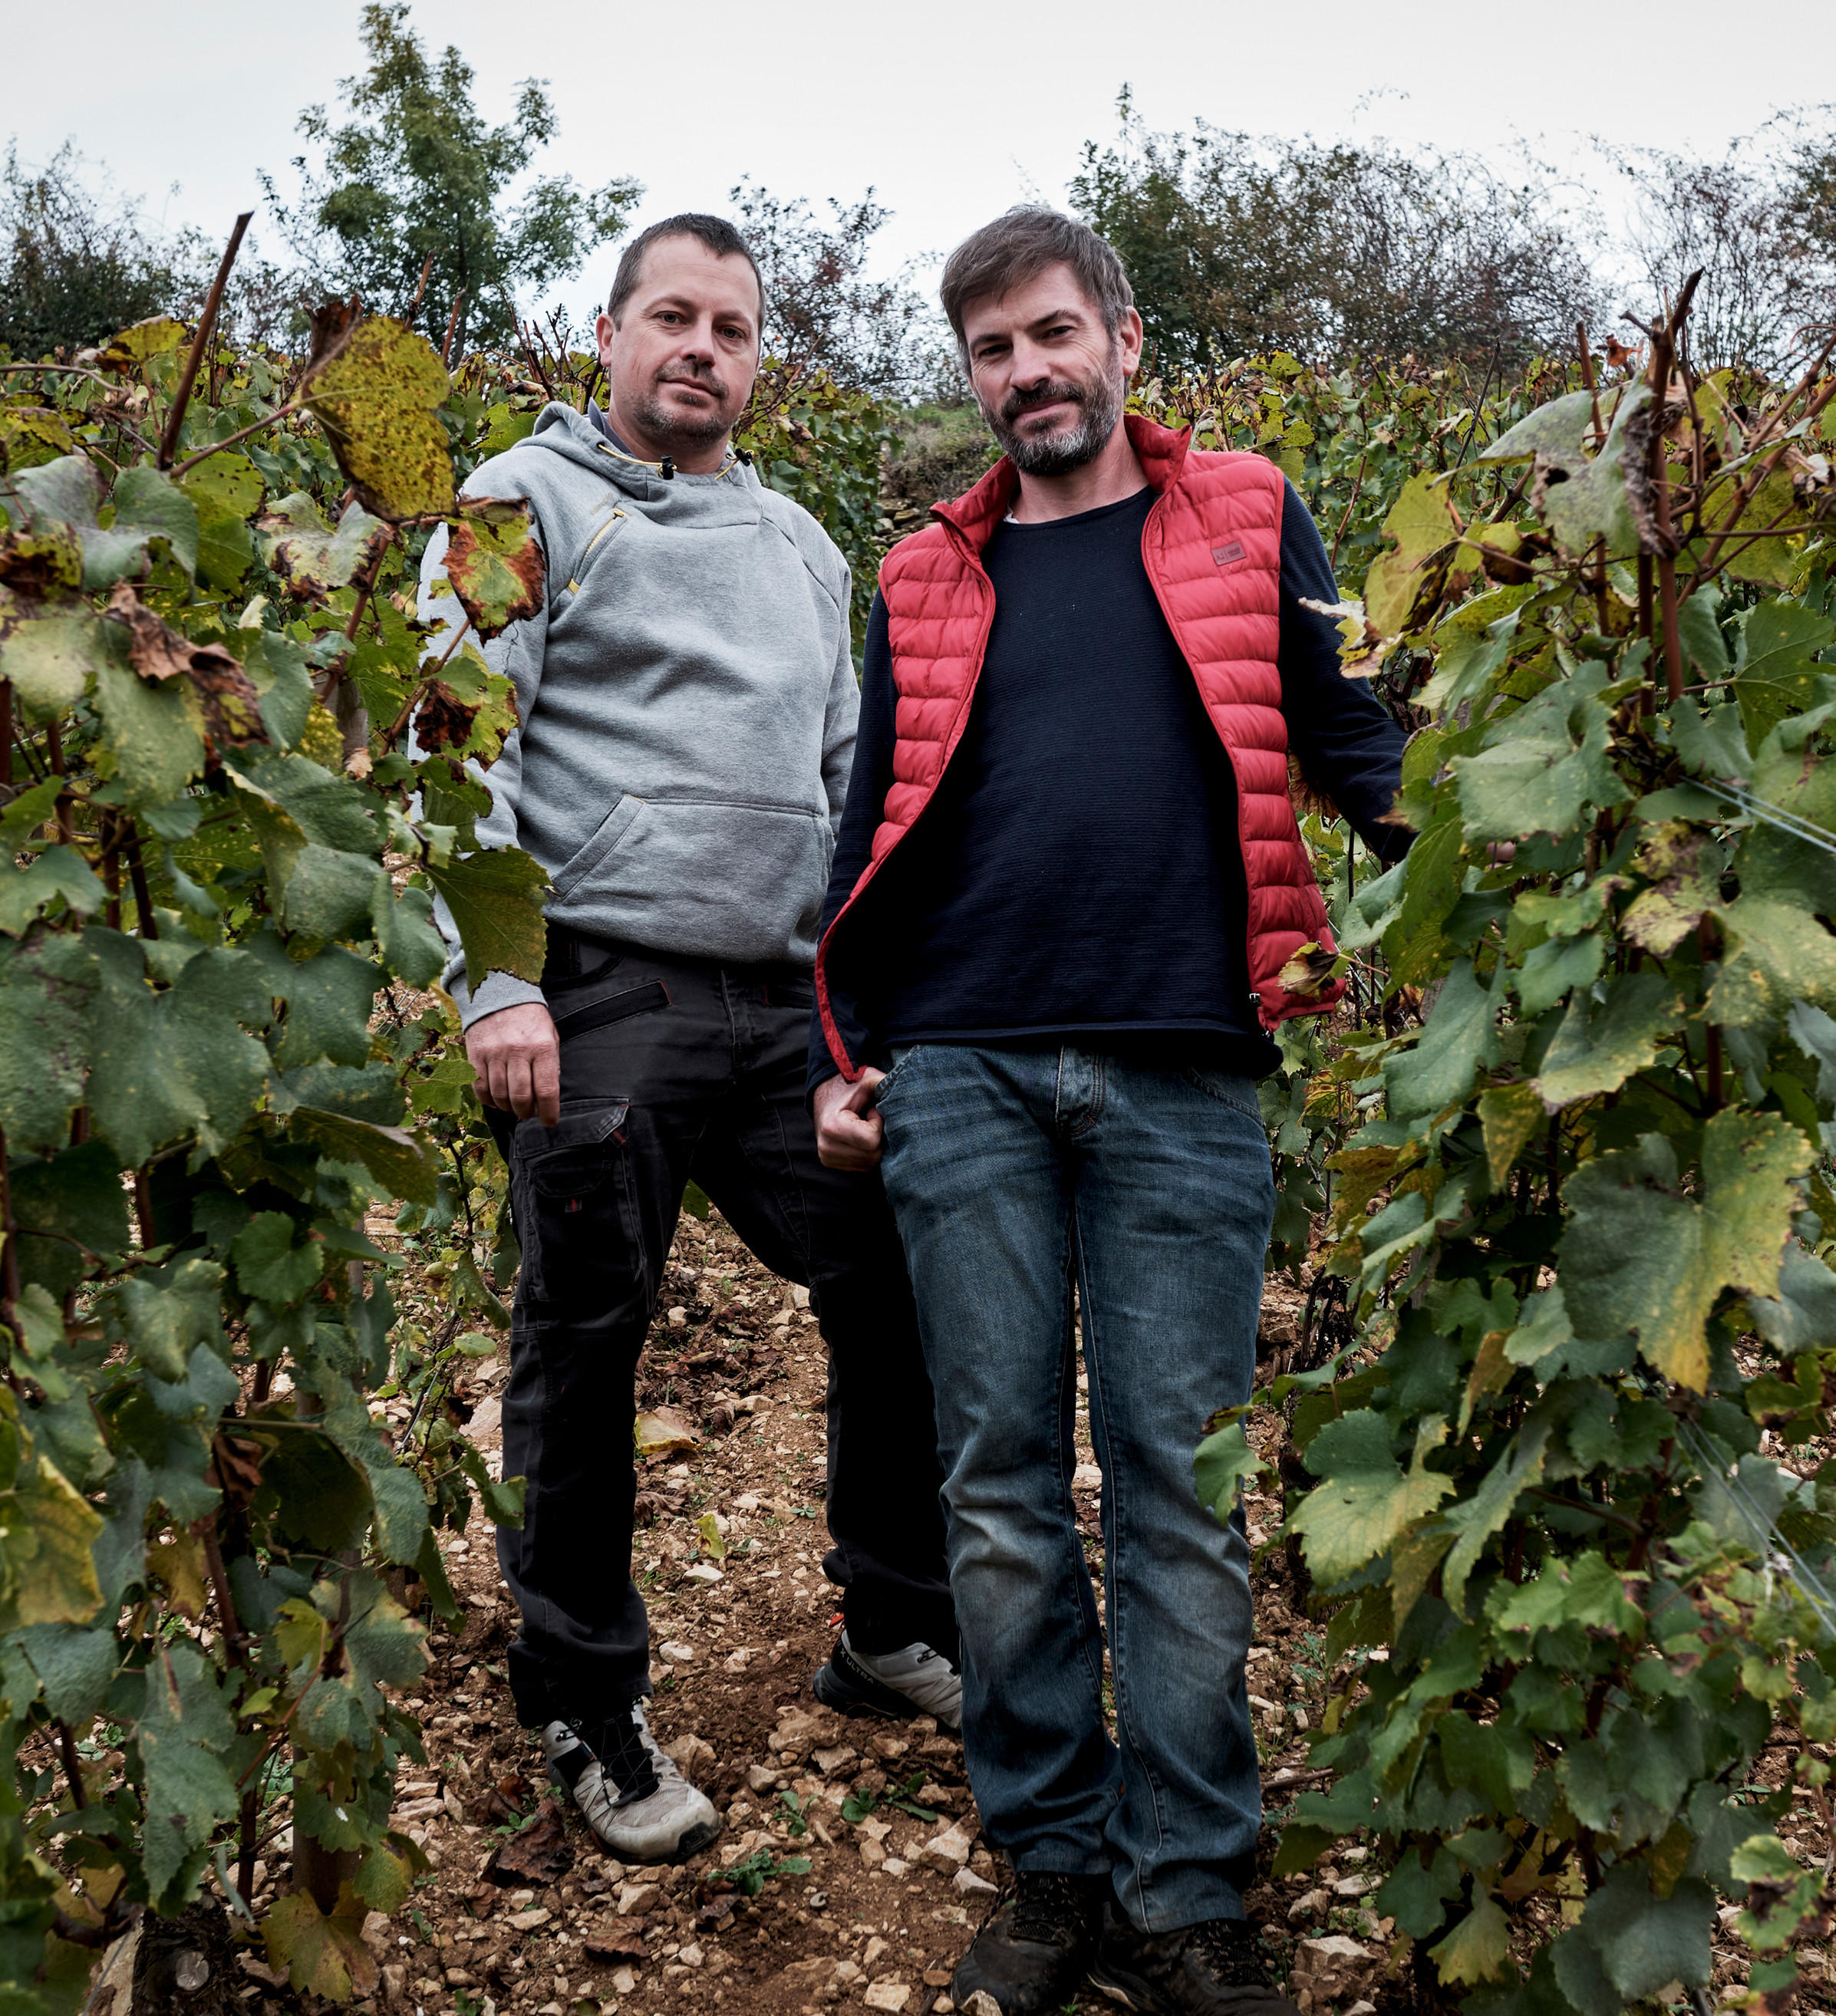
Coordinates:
(688, 705)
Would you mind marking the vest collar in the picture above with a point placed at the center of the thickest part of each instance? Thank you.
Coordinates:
(973, 515)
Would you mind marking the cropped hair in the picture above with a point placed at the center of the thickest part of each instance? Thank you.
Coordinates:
(715, 233)
(1018, 246)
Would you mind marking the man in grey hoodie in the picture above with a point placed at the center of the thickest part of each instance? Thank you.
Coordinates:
(687, 704)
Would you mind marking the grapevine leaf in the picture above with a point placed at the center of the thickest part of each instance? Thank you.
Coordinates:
(1415, 1894)
(1598, 1046)
(269, 1267)
(1582, 498)
(376, 394)
(412, 949)
(495, 562)
(1421, 523)
(1478, 1946)
(1542, 766)
(1679, 861)
(1460, 1035)
(330, 999)
(178, 1062)
(374, 1092)
(1802, 1315)
(1778, 955)
(503, 1503)
(1710, 740)
(1552, 969)
(76, 1665)
(496, 902)
(400, 1502)
(1780, 675)
(148, 505)
(223, 694)
(228, 480)
(164, 1314)
(186, 1729)
(1585, 1590)
(50, 656)
(152, 742)
(52, 1531)
(59, 872)
(1645, 1941)
(48, 982)
(155, 336)
(309, 556)
(407, 1165)
(75, 1196)
(1509, 1116)
(1223, 1460)
(1364, 1500)
(1476, 1519)
(1638, 1254)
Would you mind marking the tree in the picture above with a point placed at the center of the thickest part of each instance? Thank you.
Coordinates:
(821, 312)
(1760, 221)
(1236, 244)
(416, 182)
(76, 268)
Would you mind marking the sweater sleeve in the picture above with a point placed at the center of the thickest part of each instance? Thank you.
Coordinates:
(869, 782)
(1346, 741)
(515, 652)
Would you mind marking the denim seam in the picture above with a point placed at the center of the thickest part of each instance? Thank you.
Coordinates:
(1115, 1509)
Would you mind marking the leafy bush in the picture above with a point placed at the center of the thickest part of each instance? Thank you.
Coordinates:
(1574, 1515)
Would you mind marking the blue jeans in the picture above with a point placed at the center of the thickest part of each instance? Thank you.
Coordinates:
(1013, 1173)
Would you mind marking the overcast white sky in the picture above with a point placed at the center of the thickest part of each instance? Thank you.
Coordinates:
(951, 109)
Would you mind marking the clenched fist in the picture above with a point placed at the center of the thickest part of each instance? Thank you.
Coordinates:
(849, 1134)
(517, 1056)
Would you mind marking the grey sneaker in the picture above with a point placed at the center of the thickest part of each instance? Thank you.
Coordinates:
(633, 1797)
(916, 1679)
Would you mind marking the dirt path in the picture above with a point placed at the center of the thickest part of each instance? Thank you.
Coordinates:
(741, 1614)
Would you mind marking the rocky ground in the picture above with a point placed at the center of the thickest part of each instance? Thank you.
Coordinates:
(850, 1873)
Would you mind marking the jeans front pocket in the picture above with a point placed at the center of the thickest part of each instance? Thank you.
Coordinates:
(576, 1207)
(1228, 1088)
(900, 1058)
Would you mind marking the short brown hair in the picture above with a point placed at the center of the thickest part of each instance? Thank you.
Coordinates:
(718, 236)
(1018, 246)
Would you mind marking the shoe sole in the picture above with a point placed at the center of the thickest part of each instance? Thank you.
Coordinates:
(838, 1691)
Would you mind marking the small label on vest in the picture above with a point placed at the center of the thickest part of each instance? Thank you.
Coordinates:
(1225, 554)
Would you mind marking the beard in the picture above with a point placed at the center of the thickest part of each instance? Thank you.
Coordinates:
(664, 422)
(1079, 441)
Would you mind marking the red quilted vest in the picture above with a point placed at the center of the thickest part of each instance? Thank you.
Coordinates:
(1212, 549)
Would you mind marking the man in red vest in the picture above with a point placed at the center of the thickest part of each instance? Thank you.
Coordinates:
(1068, 900)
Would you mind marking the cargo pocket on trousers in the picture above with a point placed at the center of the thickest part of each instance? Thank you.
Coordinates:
(576, 1207)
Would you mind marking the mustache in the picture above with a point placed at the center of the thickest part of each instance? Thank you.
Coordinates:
(702, 381)
(1066, 389)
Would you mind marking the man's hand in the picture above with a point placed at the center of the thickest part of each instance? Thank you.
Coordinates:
(850, 1135)
(517, 1056)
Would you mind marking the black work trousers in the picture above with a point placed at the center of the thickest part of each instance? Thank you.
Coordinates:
(673, 1068)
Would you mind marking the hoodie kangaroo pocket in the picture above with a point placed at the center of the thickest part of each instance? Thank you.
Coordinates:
(746, 877)
(610, 830)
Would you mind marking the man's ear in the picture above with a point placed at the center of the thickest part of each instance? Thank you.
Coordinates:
(604, 328)
(1130, 337)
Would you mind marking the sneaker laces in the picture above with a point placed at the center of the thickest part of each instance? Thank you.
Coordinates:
(1231, 1951)
(1051, 1909)
(624, 1759)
